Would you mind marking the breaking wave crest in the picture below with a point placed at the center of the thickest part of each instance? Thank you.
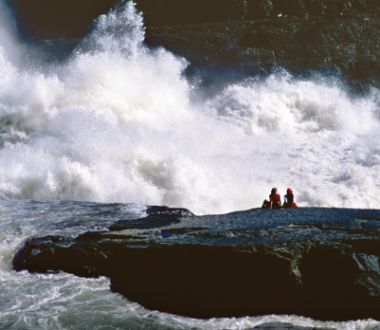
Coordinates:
(120, 122)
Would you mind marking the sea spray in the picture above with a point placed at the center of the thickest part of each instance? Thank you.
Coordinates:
(118, 122)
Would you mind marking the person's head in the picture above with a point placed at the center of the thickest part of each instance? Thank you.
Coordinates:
(289, 191)
(273, 191)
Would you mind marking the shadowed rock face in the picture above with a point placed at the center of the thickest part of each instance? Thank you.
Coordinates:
(71, 18)
(322, 263)
(251, 36)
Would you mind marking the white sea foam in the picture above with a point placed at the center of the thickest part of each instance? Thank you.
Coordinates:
(119, 122)
(8, 37)
(116, 122)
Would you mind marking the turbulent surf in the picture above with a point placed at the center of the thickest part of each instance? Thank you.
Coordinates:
(119, 121)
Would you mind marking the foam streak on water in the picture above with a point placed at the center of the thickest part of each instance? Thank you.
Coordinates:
(117, 122)
(64, 301)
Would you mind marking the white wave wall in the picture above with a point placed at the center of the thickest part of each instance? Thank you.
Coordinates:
(120, 122)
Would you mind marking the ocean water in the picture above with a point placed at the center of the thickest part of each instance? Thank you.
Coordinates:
(117, 126)
(64, 301)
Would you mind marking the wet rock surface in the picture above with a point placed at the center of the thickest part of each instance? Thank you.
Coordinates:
(322, 263)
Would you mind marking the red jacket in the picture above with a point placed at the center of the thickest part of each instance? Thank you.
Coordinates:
(276, 198)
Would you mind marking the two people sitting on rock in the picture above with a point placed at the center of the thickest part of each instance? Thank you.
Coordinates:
(274, 201)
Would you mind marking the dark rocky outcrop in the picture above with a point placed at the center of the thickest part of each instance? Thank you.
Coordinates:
(322, 263)
(71, 18)
(251, 36)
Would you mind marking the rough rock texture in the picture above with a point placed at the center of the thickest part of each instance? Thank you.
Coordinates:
(59, 18)
(322, 263)
(340, 36)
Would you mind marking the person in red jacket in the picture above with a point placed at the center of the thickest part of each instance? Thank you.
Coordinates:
(274, 200)
(289, 199)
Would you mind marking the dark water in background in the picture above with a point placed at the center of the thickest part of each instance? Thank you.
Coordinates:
(88, 112)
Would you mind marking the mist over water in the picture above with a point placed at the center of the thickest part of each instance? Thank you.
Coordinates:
(118, 122)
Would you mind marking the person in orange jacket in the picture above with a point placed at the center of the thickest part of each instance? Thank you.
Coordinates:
(274, 200)
(289, 199)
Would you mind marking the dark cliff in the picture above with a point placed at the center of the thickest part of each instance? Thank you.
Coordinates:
(70, 18)
(337, 37)
(322, 263)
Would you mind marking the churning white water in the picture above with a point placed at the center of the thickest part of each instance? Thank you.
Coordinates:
(64, 301)
(120, 122)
